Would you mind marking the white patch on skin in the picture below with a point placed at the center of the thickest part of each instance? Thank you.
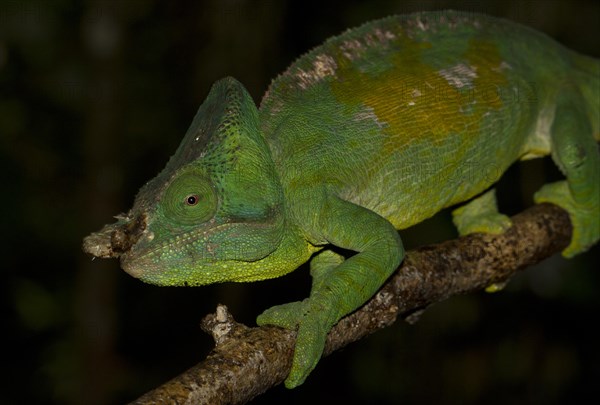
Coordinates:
(538, 143)
(352, 49)
(368, 114)
(502, 66)
(384, 36)
(414, 93)
(323, 66)
(459, 76)
(378, 37)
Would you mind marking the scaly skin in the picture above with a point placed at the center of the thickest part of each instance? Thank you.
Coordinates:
(373, 131)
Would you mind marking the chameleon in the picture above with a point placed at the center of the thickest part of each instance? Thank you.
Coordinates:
(369, 133)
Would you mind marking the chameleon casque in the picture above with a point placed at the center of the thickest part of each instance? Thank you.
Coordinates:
(373, 131)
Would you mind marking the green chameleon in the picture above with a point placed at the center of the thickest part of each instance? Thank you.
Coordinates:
(373, 131)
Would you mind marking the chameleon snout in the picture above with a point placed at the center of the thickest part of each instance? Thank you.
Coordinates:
(124, 237)
(116, 239)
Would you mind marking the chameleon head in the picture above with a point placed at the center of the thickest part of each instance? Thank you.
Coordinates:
(214, 212)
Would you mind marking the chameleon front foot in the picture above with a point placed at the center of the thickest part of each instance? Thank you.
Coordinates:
(310, 341)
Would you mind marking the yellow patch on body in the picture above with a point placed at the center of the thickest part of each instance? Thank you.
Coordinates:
(415, 101)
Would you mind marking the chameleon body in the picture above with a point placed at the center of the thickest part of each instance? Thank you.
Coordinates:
(373, 131)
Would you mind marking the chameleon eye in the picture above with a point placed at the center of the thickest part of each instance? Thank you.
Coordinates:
(192, 200)
(189, 200)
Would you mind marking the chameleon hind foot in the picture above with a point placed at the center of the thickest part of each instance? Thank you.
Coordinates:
(480, 215)
(585, 221)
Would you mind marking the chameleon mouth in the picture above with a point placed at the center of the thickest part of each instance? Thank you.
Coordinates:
(147, 262)
(132, 265)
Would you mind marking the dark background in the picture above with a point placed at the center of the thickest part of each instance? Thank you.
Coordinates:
(94, 98)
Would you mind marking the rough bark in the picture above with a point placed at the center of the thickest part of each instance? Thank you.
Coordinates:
(248, 361)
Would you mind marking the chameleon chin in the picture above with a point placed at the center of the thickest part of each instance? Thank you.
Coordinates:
(373, 131)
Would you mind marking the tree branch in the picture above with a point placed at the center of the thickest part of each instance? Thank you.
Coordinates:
(248, 361)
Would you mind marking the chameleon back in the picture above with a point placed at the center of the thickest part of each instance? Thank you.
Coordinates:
(424, 107)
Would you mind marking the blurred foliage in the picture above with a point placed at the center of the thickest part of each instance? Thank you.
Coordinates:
(95, 95)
